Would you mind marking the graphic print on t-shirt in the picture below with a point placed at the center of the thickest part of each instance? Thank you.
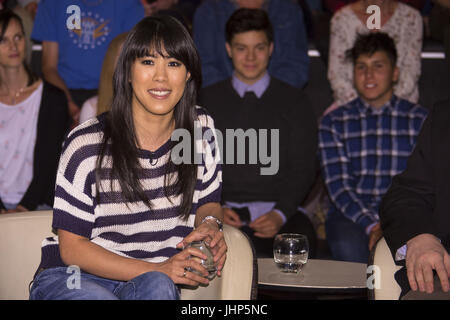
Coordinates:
(94, 31)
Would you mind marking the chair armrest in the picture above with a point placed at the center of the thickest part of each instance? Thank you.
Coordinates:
(381, 257)
(21, 236)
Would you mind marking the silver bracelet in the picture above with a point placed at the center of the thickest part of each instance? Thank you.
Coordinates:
(216, 220)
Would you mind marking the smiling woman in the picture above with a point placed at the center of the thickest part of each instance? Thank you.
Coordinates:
(156, 59)
(158, 83)
(124, 212)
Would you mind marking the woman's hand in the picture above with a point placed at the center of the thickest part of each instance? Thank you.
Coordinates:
(176, 268)
(210, 233)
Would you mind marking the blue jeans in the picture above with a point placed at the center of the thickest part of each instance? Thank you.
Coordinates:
(57, 284)
(347, 240)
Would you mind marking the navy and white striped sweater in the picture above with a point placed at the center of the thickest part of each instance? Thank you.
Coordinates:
(129, 229)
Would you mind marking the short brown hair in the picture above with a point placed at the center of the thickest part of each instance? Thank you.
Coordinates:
(244, 19)
(370, 43)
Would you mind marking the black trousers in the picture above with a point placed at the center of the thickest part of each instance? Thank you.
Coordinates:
(298, 223)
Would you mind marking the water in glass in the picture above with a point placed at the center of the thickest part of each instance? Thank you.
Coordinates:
(290, 251)
(208, 263)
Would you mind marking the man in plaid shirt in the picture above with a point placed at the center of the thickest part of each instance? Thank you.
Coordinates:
(363, 145)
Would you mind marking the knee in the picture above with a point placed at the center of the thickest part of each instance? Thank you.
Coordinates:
(54, 284)
(155, 286)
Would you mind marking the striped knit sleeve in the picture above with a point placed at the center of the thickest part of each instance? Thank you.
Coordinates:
(73, 208)
(210, 171)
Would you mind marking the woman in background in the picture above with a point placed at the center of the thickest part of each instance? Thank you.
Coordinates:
(33, 123)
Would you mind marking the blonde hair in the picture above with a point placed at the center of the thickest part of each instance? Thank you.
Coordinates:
(105, 89)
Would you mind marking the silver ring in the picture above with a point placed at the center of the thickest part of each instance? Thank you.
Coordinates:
(184, 274)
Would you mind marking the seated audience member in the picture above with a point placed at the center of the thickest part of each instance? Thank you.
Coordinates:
(363, 144)
(415, 212)
(102, 102)
(262, 205)
(33, 118)
(400, 21)
(71, 57)
(289, 61)
(440, 25)
(26, 10)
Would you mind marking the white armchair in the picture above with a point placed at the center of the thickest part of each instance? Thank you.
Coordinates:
(21, 236)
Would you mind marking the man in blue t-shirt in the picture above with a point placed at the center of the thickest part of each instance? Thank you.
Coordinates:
(72, 57)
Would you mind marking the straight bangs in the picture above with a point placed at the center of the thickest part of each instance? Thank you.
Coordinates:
(166, 36)
(160, 41)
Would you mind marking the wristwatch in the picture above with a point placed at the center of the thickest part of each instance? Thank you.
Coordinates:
(216, 220)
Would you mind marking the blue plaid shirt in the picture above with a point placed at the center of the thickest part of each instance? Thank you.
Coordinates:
(361, 149)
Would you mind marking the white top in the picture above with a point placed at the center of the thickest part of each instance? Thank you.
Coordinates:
(404, 26)
(89, 109)
(18, 131)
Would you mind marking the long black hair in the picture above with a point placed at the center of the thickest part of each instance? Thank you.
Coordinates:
(6, 15)
(156, 33)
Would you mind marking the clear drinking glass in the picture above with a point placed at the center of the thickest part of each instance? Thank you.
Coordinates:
(208, 263)
(290, 251)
